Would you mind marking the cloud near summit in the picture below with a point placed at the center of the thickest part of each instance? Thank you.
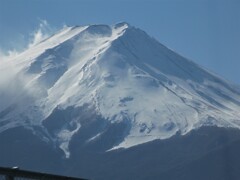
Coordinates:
(41, 32)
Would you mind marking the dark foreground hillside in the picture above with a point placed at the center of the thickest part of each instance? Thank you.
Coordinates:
(208, 153)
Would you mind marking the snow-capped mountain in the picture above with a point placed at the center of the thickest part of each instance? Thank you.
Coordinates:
(100, 81)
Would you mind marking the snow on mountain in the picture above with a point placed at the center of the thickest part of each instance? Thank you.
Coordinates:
(123, 75)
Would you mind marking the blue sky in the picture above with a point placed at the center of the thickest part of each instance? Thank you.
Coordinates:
(205, 31)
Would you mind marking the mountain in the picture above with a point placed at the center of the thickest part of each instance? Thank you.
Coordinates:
(104, 94)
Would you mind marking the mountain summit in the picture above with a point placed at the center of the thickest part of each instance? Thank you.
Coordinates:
(111, 86)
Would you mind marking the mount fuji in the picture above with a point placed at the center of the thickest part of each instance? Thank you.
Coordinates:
(95, 94)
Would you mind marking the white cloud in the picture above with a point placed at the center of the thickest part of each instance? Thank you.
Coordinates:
(4, 56)
(13, 83)
(43, 31)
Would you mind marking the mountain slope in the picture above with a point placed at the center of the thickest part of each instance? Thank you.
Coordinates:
(111, 87)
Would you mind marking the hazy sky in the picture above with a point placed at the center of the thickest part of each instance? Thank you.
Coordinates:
(205, 31)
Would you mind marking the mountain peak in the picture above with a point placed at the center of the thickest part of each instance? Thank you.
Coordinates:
(103, 29)
(121, 24)
(124, 79)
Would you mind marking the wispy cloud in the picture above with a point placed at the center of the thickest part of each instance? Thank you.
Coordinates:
(43, 30)
(4, 56)
(12, 82)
